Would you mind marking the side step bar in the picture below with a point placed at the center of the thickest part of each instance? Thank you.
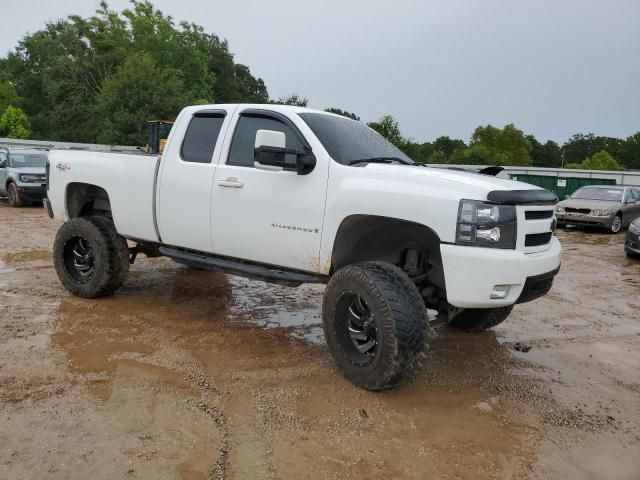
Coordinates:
(287, 278)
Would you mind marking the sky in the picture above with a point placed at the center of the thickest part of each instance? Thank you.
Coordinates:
(440, 67)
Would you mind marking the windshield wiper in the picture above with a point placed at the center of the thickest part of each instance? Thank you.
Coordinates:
(379, 160)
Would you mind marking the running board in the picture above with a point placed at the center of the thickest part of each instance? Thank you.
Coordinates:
(287, 278)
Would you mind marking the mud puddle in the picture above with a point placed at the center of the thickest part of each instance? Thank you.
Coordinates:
(194, 375)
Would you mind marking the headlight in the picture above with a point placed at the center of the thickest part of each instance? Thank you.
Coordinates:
(560, 210)
(600, 213)
(482, 224)
(26, 178)
(634, 227)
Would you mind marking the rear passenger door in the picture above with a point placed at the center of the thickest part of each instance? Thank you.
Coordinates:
(185, 178)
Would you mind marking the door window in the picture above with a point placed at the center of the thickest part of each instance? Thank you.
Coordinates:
(201, 137)
(244, 138)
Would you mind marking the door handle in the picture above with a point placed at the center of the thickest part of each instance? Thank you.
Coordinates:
(230, 182)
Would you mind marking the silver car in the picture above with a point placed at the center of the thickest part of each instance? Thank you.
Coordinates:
(22, 175)
(607, 206)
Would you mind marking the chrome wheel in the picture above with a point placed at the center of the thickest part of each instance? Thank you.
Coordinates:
(79, 259)
(360, 335)
(616, 225)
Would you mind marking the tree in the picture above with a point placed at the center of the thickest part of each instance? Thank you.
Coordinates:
(506, 146)
(293, 99)
(344, 113)
(420, 152)
(138, 91)
(8, 95)
(629, 154)
(14, 123)
(580, 146)
(545, 154)
(59, 72)
(438, 157)
(447, 145)
(598, 161)
(388, 127)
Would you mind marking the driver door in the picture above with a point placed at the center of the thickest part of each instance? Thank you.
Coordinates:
(271, 217)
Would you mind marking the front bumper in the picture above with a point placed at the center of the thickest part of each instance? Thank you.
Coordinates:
(584, 219)
(632, 243)
(471, 273)
(32, 193)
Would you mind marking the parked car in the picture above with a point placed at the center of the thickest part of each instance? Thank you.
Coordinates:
(607, 206)
(632, 243)
(292, 195)
(22, 176)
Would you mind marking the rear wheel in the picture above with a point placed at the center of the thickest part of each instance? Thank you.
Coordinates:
(14, 195)
(375, 324)
(91, 259)
(480, 319)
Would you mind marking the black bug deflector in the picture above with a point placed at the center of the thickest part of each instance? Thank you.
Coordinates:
(523, 197)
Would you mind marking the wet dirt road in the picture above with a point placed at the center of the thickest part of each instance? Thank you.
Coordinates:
(193, 375)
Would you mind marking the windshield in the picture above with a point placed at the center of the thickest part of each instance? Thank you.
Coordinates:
(599, 193)
(348, 140)
(28, 160)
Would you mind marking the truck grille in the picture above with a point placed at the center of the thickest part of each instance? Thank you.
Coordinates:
(538, 214)
(537, 239)
(585, 211)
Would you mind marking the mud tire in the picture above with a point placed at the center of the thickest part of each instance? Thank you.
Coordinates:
(480, 319)
(401, 321)
(14, 195)
(110, 252)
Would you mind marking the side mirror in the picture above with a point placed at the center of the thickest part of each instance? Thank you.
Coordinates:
(270, 154)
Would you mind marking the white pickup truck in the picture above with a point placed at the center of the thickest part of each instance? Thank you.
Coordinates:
(293, 195)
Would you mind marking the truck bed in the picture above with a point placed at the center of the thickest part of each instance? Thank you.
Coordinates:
(133, 176)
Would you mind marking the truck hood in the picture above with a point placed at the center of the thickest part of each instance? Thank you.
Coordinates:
(590, 204)
(484, 182)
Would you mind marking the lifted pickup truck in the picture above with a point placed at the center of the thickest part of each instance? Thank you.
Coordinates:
(293, 195)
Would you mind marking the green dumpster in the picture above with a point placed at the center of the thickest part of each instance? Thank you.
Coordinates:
(561, 186)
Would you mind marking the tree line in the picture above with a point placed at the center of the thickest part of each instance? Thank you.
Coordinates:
(98, 79)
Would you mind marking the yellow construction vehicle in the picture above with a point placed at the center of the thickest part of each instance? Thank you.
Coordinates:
(157, 132)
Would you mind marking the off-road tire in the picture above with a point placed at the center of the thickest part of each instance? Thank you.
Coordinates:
(110, 252)
(480, 319)
(400, 318)
(14, 195)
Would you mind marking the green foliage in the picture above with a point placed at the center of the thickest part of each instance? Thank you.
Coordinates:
(67, 75)
(293, 99)
(139, 90)
(14, 123)
(581, 146)
(8, 95)
(598, 161)
(545, 155)
(420, 152)
(448, 145)
(437, 157)
(506, 146)
(344, 113)
(388, 127)
(629, 153)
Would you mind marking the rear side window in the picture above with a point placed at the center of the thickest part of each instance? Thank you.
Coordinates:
(201, 137)
(244, 138)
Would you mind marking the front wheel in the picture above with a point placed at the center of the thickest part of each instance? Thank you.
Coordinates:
(616, 225)
(480, 319)
(14, 195)
(375, 324)
(91, 259)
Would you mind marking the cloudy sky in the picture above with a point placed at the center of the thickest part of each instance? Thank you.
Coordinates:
(441, 67)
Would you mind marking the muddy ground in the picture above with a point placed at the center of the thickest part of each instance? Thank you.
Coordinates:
(194, 375)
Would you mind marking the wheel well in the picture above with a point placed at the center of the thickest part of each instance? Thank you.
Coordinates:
(411, 246)
(85, 199)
